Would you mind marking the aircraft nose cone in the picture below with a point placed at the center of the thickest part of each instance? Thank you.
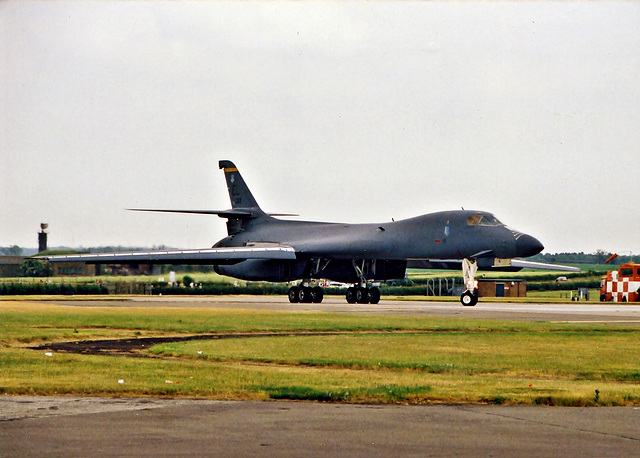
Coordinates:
(527, 245)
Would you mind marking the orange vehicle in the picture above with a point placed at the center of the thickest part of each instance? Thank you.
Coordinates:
(621, 285)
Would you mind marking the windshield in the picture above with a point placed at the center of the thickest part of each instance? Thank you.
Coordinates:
(483, 219)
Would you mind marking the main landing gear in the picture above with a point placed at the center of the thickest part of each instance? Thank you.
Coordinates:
(315, 294)
(306, 294)
(360, 295)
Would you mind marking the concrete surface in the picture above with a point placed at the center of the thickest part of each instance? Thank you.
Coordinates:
(596, 312)
(65, 426)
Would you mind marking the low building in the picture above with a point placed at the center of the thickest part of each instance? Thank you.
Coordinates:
(73, 269)
(491, 287)
(10, 266)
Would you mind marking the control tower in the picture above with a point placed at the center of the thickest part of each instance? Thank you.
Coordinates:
(42, 238)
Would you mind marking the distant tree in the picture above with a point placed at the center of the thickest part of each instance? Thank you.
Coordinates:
(34, 268)
(15, 250)
(601, 256)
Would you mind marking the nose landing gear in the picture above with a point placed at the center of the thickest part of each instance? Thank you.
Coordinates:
(470, 297)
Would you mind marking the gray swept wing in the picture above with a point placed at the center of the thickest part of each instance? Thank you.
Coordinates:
(542, 266)
(227, 255)
(488, 264)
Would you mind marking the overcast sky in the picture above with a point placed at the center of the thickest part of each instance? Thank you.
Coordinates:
(354, 112)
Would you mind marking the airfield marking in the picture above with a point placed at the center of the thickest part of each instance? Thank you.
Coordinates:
(596, 321)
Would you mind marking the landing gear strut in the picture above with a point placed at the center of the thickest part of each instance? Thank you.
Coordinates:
(361, 293)
(470, 297)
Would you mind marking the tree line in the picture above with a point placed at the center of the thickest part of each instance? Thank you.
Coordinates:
(599, 257)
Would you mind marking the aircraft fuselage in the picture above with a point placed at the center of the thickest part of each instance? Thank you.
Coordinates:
(385, 247)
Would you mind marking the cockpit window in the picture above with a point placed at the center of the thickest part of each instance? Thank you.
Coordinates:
(473, 220)
(483, 219)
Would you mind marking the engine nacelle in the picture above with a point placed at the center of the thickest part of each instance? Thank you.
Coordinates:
(263, 270)
(336, 270)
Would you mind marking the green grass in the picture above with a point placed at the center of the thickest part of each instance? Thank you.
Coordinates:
(386, 359)
(601, 356)
(30, 321)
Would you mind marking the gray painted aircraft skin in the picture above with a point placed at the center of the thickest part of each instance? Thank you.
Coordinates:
(260, 247)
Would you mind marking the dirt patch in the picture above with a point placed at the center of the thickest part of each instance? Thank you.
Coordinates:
(132, 347)
(136, 346)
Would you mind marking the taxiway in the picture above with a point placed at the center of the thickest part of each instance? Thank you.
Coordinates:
(67, 426)
(595, 312)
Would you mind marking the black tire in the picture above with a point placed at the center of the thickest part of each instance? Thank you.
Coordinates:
(374, 295)
(468, 299)
(362, 296)
(294, 293)
(304, 295)
(351, 295)
(318, 294)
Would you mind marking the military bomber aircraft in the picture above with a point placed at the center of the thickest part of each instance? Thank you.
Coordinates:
(261, 247)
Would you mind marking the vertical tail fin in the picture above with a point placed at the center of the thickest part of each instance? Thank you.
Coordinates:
(239, 192)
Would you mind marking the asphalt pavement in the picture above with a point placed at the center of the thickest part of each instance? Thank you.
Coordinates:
(626, 314)
(70, 427)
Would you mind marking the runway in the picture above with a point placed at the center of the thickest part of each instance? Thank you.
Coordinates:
(583, 312)
(65, 426)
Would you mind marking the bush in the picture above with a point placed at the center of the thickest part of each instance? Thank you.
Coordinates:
(35, 268)
(21, 289)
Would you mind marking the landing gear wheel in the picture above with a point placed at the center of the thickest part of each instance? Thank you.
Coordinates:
(468, 299)
(304, 295)
(374, 295)
(351, 295)
(317, 294)
(294, 292)
(362, 295)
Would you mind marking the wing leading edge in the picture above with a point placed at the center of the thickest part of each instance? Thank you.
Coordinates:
(542, 266)
(488, 264)
(225, 255)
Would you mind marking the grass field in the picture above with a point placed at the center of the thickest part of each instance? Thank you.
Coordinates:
(387, 359)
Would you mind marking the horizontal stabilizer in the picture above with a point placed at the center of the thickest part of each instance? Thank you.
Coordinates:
(225, 255)
(233, 213)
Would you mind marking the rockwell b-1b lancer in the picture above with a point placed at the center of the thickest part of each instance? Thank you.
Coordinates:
(261, 247)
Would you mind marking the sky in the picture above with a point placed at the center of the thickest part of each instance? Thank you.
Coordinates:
(351, 112)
